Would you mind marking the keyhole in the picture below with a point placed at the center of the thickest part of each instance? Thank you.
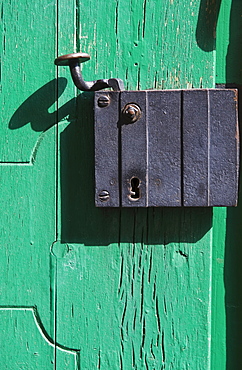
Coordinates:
(134, 190)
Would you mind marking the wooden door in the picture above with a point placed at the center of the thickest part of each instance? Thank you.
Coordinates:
(88, 288)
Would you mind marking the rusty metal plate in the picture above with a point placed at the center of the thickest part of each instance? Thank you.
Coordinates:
(106, 150)
(224, 148)
(195, 138)
(134, 156)
(166, 148)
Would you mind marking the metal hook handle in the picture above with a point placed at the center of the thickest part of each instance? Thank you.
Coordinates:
(73, 61)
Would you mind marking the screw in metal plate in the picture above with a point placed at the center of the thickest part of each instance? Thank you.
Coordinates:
(103, 101)
(157, 182)
(104, 196)
(113, 182)
(131, 113)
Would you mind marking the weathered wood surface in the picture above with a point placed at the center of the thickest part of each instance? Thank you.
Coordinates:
(83, 287)
(133, 286)
(227, 257)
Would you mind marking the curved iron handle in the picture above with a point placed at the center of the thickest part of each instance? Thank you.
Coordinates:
(73, 61)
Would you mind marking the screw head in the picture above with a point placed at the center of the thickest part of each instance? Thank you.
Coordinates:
(103, 101)
(131, 113)
(113, 182)
(158, 182)
(104, 196)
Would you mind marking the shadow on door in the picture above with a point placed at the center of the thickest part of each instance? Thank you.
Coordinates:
(206, 38)
(233, 251)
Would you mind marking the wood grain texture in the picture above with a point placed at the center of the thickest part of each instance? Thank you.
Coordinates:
(27, 181)
(133, 285)
(227, 300)
(27, 73)
(113, 289)
(22, 330)
(27, 232)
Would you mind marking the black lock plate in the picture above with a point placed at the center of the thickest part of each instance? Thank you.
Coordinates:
(166, 148)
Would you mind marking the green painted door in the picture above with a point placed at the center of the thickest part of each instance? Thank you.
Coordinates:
(87, 288)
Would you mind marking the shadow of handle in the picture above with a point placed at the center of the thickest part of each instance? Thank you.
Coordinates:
(35, 109)
(206, 25)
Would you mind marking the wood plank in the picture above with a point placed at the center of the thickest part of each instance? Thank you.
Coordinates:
(27, 71)
(137, 276)
(22, 330)
(28, 90)
(27, 180)
(28, 205)
(226, 282)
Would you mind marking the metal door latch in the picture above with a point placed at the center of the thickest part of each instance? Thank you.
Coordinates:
(74, 61)
(167, 148)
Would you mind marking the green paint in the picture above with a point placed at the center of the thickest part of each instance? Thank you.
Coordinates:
(133, 291)
(26, 65)
(87, 288)
(227, 302)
